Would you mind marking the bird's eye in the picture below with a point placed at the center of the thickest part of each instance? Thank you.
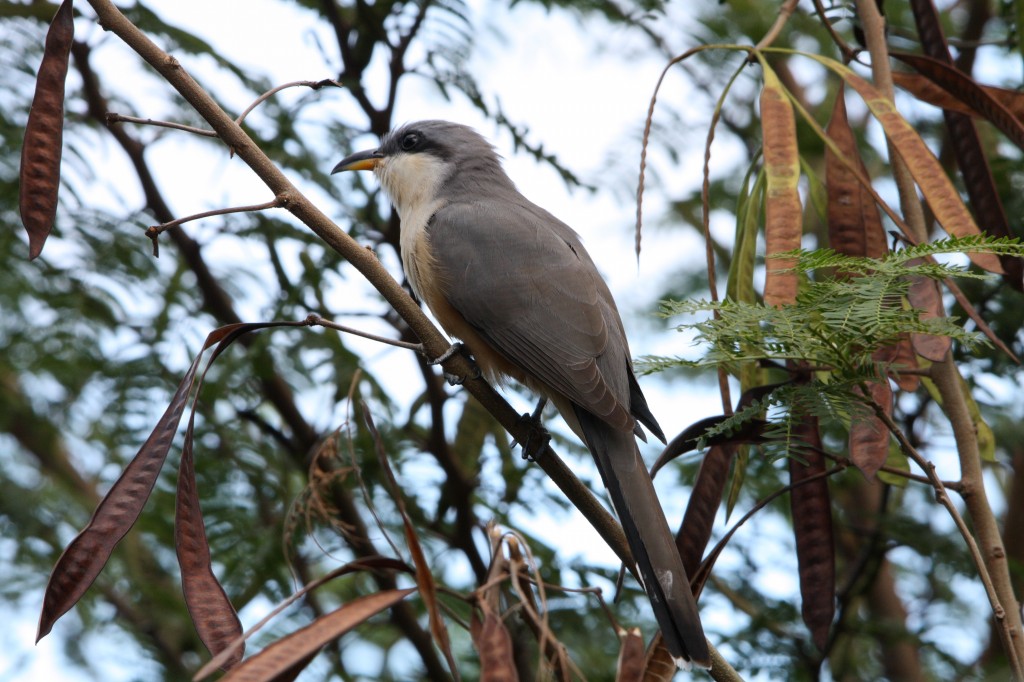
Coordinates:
(409, 141)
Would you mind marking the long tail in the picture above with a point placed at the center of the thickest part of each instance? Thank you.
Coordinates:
(650, 540)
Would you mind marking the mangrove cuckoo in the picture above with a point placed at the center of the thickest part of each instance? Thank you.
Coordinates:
(516, 286)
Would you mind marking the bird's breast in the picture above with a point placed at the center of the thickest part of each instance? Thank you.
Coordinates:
(417, 259)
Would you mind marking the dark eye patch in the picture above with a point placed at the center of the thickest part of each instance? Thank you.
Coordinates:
(410, 141)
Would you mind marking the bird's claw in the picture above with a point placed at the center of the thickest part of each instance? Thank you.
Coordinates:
(456, 347)
(455, 379)
(537, 437)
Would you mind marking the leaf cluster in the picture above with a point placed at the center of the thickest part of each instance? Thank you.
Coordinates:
(849, 311)
(839, 321)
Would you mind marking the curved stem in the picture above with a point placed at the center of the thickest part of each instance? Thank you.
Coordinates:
(315, 85)
(314, 320)
(112, 118)
(154, 231)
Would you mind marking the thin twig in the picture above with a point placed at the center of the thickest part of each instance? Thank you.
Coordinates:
(112, 118)
(958, 294)
(846, 461)
(785, 12)
(849, 54)
(1006, 610)
(942, 497)
(314, 320)
(154, 231)
(315, 85)
(704, 572)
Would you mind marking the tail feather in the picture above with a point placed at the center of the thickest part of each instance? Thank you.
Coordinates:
(650, 540)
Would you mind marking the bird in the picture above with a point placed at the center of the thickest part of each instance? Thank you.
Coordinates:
(517, 287)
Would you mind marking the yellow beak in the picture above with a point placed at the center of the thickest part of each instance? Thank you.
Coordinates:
(366, 160)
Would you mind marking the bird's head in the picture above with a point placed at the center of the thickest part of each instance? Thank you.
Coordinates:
(425, 160)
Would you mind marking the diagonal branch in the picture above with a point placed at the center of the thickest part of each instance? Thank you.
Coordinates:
(277, 391)
(434, 343)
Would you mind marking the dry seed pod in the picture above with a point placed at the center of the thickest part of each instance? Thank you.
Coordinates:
(44, 133)
(783, 211)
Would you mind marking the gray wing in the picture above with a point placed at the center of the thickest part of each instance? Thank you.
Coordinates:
(523, 280)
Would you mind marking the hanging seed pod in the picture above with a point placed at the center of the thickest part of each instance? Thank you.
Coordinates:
(783, 210)
(44, 133)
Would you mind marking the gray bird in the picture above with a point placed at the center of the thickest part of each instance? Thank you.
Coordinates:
(515, 284)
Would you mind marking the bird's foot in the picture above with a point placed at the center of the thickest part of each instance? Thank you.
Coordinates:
(457, 347)
(537, 437)
(455, 379)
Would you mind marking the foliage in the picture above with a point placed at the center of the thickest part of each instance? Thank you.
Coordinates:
(837, 322)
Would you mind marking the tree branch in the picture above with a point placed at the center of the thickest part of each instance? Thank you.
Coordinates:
(277, 391)
(992, 552)
(947, 377)
(435, 344)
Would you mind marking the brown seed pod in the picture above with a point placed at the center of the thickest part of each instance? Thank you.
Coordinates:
(44, 133)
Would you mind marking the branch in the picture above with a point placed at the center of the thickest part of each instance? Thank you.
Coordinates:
(155, 231)
(785, 12)
(942, 497)
(314, 85)
(848, 53)
(314, 320)
(111, 118)
(434, 343)
(1004, 602)
(947, 378)
(847, 462)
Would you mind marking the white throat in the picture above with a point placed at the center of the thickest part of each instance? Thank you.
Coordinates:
(411, 181)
